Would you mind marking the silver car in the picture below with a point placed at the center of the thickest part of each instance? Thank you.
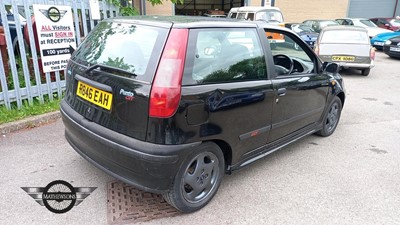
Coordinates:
(349, 46)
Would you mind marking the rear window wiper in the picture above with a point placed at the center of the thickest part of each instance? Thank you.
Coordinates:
(110, 68)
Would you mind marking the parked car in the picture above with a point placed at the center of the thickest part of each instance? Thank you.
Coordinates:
(379, 40)
(171, 104)
(13, 28)
(215, 13)
(392, 47)
(372, 29)
(305, 32)
(318, 25)
(387, 23)
(349, 46)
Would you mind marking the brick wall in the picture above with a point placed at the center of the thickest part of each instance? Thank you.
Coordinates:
(164, 9)
(254, 2)
(298, 11)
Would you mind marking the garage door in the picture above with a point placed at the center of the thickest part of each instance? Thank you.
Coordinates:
(371, 8)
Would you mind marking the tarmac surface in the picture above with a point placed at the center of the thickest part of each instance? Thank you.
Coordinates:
(351, 177)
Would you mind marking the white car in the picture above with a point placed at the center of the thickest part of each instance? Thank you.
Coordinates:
(371, 27)
(348, 46)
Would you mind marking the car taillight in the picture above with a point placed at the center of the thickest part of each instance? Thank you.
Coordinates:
(372, 53)
(166, 89)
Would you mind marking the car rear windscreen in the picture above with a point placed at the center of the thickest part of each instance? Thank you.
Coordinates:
(345, 36)
(124, 46)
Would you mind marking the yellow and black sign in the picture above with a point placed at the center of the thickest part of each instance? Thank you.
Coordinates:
(94, 95)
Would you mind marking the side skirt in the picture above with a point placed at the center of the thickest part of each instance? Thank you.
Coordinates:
(272, 147)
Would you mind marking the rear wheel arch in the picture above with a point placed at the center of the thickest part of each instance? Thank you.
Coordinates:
(198, 178)
(227, 152)
(341, 97)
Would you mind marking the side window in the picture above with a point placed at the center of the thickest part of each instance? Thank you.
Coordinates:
(250, 16)
(290, 55)
(349, 22)
(241, 16)
(223, 55)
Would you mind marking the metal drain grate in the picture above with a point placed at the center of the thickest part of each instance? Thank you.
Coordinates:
(125, 204)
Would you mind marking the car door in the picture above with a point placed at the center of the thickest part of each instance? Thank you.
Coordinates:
(300, 89)
(225, 89)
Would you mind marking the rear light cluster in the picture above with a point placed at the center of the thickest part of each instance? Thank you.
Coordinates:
(372, 53)
(166, 89)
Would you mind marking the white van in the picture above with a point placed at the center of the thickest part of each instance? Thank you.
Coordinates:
(267, 13)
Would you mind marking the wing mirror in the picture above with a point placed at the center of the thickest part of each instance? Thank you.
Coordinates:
(331, 68)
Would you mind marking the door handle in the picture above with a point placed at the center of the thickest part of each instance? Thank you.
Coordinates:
(281, 91)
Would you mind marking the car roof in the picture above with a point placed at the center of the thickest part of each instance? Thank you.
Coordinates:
(385, 18)
(353, 18)
(253, 8)
(192, 22)
(344, 27)
(319, 20)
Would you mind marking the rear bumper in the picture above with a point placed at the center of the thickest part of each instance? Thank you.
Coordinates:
(356, 65)
(149, 167)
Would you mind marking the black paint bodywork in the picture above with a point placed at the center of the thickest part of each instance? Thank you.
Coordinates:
(395, 43)
(248, 120)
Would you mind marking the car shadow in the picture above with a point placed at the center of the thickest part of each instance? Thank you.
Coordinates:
(350, 72)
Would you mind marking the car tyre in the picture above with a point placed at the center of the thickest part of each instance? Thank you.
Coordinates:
(365, 72)
(331, 118)
(198, 179)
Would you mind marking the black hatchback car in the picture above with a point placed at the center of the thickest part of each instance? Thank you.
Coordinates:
(171, 104)
(392, 47)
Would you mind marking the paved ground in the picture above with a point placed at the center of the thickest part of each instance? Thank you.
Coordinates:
(352, 177)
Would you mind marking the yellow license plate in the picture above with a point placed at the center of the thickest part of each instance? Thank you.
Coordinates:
(343, 58)
(94, 95)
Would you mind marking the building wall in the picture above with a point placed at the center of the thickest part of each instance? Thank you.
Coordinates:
(298, 11)
(165, 9)
(372, 8)
(254, 2)
(293, 10)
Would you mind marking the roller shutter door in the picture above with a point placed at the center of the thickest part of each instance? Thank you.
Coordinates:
(371, 8)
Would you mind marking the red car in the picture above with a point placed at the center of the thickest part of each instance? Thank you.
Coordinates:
(387, 23)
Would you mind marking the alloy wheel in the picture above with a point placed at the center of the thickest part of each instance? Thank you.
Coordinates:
(200, 177)
(332, 117)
